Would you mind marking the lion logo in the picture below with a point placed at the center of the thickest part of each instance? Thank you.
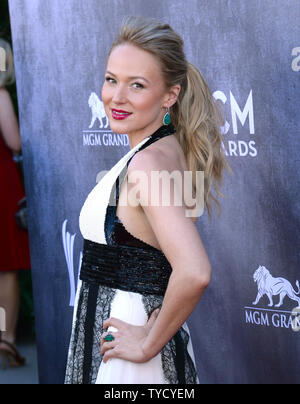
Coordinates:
(267, 285)
(98, 111)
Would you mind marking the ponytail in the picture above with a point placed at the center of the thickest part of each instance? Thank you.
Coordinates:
(198, 120)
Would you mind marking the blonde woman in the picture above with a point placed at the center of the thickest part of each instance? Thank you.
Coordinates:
(144, 266)
(14, 242)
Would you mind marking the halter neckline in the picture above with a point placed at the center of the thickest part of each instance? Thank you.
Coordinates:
(158, 134)
(163, 131)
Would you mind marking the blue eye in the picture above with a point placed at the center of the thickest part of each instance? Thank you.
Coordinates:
(138, 85)
(109, 79)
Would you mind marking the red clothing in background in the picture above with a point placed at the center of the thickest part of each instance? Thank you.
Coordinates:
(14, 241)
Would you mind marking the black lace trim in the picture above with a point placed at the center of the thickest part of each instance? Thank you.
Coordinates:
(76, 372)
(178, 366)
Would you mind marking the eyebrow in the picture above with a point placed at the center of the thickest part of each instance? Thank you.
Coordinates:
(130, 78)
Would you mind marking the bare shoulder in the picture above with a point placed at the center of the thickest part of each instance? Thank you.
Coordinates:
(166, 154)
(3, 90)
(6, 109)
(166, 158)
(4, 95)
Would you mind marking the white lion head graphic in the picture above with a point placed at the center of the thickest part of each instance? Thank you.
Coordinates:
(267, 285)
(98, 111)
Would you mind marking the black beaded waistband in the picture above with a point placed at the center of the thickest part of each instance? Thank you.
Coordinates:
(124, 267)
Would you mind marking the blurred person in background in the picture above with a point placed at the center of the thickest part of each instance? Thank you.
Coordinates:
(14, 242)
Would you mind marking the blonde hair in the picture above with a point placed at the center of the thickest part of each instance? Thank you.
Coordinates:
(8, 76)
(195, 114)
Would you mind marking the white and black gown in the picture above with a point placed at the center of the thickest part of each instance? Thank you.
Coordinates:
(123, 277)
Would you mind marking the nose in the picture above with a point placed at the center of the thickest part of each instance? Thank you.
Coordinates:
(120, 94)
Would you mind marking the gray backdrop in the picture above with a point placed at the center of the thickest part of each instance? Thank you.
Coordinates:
(249, 52)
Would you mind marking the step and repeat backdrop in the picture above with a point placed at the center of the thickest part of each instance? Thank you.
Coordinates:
(246, 327)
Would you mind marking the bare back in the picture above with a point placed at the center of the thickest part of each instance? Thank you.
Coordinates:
(133, 217)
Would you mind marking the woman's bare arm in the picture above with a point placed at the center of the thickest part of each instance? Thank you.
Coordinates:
(179, 239)
(8, 122)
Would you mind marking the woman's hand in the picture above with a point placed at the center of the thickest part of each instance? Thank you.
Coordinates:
(128, 340)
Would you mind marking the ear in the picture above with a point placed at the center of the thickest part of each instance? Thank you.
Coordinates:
(172, 95)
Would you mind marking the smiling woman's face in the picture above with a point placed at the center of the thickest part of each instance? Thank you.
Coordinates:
(133, 93)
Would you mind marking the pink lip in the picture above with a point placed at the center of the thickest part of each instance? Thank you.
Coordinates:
(120, 114)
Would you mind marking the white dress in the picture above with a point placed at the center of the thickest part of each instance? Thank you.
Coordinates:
(97, 300)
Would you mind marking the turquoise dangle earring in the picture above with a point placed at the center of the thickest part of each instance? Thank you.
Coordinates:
(167, 118)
